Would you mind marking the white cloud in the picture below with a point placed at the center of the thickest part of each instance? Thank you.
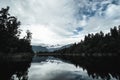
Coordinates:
(101, 20)
(111, 18)
(48, 20)
(113, 11)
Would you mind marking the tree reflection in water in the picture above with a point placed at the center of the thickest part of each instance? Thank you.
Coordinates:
(11, 69)
(97, 66)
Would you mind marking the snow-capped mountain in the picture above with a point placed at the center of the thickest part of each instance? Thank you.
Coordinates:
(48, 48)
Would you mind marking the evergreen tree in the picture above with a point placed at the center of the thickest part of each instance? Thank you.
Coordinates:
(10, 33)
(98, 44)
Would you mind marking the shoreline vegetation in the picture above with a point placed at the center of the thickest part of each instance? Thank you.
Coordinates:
(18, 57)
(96, 44)
(11, 45)
(75, 54)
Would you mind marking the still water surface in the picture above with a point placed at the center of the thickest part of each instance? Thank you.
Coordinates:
(50, 68)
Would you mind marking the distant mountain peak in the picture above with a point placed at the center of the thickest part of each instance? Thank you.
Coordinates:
(49, 48)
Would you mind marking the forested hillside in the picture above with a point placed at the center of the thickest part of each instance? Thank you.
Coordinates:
(98, 43)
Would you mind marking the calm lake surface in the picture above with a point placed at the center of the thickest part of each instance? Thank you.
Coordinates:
(56, 69)
(51, 68)
(60, 68)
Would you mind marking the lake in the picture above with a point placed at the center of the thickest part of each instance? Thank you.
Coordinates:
(51, 68)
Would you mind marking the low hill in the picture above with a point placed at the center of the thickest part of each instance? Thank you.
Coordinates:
(39, 49)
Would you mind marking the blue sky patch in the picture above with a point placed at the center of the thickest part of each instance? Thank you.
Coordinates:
(78, 29)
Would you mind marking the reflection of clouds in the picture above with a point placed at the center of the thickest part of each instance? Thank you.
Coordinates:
(56, 70)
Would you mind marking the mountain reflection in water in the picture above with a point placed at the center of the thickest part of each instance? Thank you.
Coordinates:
(51, 68)
(55, 70)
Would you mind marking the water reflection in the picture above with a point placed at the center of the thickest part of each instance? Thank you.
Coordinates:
(62, 68)
(14, 69)
(52, 69)
(105, 67)
(56, 69)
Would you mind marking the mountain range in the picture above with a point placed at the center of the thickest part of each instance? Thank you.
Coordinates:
(46, 48)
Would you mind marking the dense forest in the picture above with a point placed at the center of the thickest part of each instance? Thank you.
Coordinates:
(97, 44)
(10, 41)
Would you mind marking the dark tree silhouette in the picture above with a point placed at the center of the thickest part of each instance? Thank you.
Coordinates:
(97, 44)
(10, 33)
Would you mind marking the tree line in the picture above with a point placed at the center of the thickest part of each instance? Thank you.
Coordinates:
(10, 41)
(98, 43)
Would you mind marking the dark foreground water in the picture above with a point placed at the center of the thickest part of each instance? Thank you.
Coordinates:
(51, 68)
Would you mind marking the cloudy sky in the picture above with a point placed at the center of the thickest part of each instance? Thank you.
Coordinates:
(64, 21)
